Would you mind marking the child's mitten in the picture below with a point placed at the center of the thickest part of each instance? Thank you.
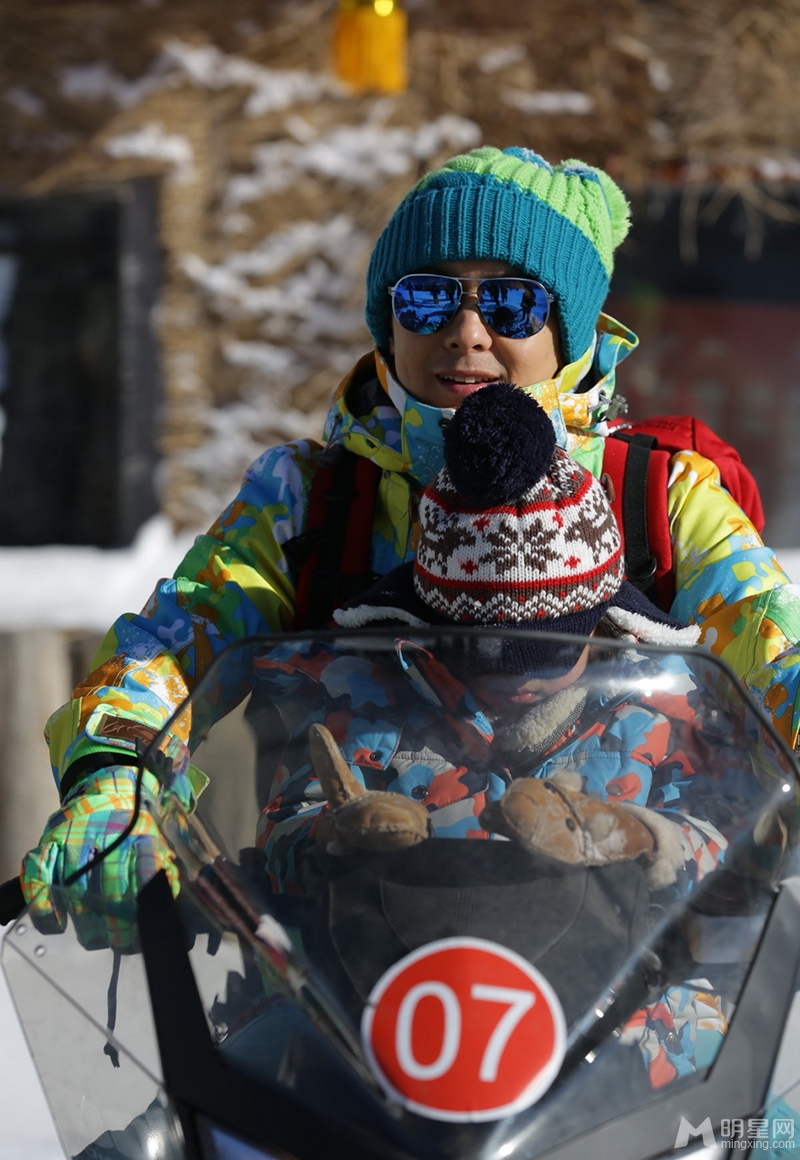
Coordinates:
(545, 817)
(357, 817)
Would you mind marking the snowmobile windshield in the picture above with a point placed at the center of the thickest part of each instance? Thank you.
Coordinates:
(439, 892)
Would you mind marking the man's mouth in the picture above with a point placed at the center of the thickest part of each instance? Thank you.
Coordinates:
(464, 383)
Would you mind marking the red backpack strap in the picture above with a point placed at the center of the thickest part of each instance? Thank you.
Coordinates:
(331, 557)
(638, 472)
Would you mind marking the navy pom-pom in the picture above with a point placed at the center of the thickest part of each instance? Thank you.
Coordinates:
(498, 445)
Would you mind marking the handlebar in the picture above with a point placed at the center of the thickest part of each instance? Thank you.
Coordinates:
(12, 901)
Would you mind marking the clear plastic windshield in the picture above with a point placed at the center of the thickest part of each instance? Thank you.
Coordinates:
(462, 895)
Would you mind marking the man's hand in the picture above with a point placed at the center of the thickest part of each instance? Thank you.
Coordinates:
(102, 902)
(546, 817)
(356, 817)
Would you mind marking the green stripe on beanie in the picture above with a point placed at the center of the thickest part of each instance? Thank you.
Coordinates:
(587, 197)
(559, 224)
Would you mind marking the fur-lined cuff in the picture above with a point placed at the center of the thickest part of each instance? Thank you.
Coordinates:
(369, 614)
(651, 631)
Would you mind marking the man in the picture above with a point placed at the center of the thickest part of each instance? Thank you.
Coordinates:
(521, 255)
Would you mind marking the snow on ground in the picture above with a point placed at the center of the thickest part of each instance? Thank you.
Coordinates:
(85, 588)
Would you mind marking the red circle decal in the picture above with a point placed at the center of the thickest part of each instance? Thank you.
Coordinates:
(464, 1029)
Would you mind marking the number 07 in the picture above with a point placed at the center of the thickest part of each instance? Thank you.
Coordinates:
(517, 1001)
(464, 1029)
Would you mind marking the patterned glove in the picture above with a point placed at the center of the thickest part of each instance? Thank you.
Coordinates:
(357, 817)
(545, 816)
(102, 902)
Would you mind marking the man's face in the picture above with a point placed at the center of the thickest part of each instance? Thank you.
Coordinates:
(441, 369)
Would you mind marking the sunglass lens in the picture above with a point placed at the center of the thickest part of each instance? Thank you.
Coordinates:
(513, 309)
(424, 303)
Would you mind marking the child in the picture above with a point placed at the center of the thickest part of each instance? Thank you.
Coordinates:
(513, 535)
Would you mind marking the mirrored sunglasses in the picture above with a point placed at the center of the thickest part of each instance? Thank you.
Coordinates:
(511, 307)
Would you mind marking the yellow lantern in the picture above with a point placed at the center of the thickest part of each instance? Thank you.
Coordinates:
(369, 45)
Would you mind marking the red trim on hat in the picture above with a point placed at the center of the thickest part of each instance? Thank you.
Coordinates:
(528, 585)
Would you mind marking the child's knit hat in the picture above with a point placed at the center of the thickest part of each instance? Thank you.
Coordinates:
(512, 529)
(558, 224)
(515, 534)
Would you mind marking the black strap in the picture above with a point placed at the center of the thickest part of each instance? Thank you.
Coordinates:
(640, 563)
(109, 1049)
(12, 901)
(91, 763)
(299, 548)
(326, 582)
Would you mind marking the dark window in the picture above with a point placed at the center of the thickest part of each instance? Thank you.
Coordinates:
(712, 287)
(78, 368)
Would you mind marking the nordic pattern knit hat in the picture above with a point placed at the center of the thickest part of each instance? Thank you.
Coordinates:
(512, 529)
(558, 224)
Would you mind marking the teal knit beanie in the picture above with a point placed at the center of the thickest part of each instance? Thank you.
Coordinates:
(559, 224)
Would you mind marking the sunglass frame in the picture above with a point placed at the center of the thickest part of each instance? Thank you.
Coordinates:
(527, 283)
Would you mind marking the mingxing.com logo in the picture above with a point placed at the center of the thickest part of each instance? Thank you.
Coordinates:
(754, 1134)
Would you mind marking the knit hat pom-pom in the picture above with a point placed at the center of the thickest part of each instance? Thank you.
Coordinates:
(498, 445)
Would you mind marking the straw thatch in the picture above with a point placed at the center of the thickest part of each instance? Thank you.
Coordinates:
(275, 182)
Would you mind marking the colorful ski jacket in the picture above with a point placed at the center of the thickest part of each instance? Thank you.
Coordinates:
(415, 729)
(236, 580)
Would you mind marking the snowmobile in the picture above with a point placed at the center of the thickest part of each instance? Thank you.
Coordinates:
(451, 998)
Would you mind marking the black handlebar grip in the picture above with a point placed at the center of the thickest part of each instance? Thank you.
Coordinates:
(12, 901)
